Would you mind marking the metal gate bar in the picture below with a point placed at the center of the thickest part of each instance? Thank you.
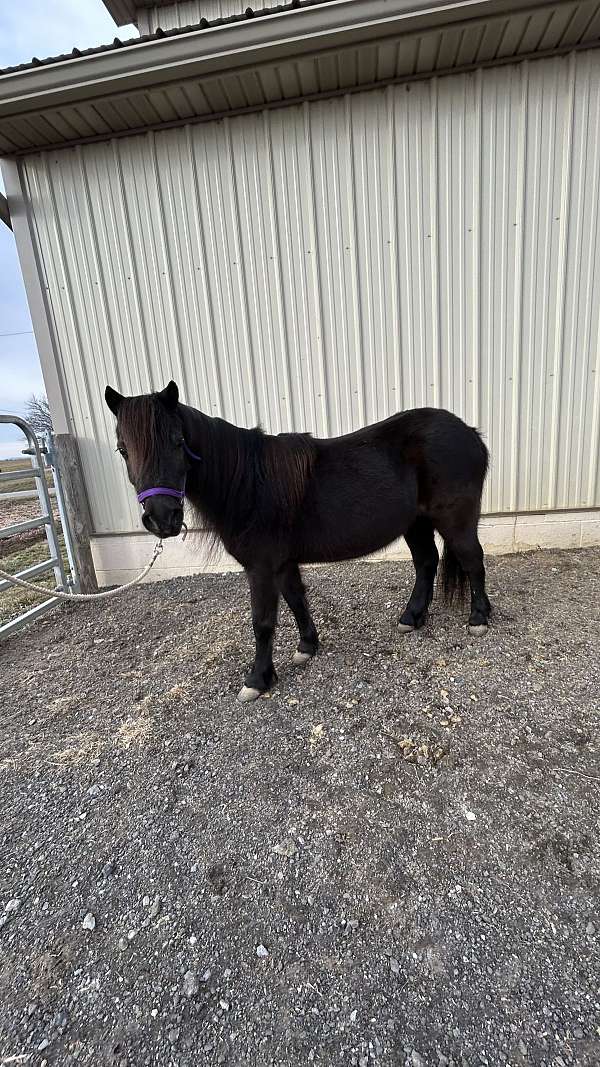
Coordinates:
(46, 519)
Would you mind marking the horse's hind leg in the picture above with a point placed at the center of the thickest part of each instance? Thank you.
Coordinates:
(464, 547)
(294, 593)
(265, 598)
(420, 539)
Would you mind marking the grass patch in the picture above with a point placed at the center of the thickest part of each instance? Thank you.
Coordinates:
(15, 601)
(20, 484)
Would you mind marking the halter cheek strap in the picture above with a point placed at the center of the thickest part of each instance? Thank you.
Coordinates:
(162, 490)
(191, 454)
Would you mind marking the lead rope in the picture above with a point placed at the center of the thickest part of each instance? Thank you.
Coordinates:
(43, 591)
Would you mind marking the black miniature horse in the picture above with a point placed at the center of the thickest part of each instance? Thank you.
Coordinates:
(277, 502)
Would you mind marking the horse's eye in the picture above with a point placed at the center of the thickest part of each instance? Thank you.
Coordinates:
(122, 450)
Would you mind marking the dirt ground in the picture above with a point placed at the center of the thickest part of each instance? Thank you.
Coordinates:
(394, 859)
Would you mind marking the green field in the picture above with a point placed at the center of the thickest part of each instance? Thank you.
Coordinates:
(18, 484)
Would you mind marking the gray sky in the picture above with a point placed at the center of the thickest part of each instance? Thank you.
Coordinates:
(35, 28)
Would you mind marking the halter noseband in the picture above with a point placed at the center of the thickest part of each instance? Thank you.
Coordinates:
(162, 490)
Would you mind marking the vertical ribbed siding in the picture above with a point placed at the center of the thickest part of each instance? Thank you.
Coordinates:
(189, 13)
(321, 266)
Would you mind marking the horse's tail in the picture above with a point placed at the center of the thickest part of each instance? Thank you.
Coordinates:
(453, 580)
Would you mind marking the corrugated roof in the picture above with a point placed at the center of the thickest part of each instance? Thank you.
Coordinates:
(203, 24)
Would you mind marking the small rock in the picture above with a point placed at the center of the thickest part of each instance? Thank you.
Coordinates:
(262, 952)
(578, 1033)
(61, 1020)
(206, 975)
(590, 929)
(13, 905)
(89, 922)
(224, 1004)
(145, 902)
(108, 868)
(416, 1059)
(43, 1044)
(93, 791)
(122, 943)
(286, 848)
(191, 984)
(470, 816)
(394, 966)
(226, 972)
(154, 910)
(173, 1035)
(522, 1048)
(353, 1015)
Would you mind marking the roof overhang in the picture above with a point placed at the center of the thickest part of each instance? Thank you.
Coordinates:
(122, 11)
(46, 105)
(125, 11)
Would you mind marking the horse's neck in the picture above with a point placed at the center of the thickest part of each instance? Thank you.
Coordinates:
(226, 466)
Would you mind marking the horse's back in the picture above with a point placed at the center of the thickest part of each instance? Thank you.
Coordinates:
(423, 438)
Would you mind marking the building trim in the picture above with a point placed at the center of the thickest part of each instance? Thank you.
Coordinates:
(325, 94)
(199, 52)
(4, 211)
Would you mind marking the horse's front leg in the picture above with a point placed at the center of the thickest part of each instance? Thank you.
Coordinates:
(265, 598)
(294, 593)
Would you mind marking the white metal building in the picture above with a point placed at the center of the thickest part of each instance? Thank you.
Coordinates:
(314, 217)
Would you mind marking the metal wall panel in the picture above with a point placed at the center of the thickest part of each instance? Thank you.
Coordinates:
(322, 266)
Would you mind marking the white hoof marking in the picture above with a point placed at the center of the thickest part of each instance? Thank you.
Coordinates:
(247, 694)
(300, 658)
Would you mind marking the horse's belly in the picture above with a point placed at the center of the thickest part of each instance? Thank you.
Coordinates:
(365, 527)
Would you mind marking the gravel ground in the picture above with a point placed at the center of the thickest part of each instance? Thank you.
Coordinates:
(391, 860)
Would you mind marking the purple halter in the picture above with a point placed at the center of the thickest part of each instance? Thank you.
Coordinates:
(163, 490)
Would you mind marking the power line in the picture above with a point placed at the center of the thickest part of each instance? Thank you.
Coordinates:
(20, 333)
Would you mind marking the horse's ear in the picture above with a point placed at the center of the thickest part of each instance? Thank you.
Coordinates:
(170, 396)
(113, 399)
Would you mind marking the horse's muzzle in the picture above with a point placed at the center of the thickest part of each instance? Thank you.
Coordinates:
(163, 521)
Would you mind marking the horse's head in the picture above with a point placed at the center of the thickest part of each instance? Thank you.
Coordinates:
(150, 439)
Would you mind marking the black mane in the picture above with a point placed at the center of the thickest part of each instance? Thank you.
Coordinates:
(247, 481)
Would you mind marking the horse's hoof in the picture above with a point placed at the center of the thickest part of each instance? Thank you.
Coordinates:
(300, 658)
(246, 694)
(405, 628)
(477, 631)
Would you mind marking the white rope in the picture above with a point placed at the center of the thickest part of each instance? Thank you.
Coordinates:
(41, 590)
